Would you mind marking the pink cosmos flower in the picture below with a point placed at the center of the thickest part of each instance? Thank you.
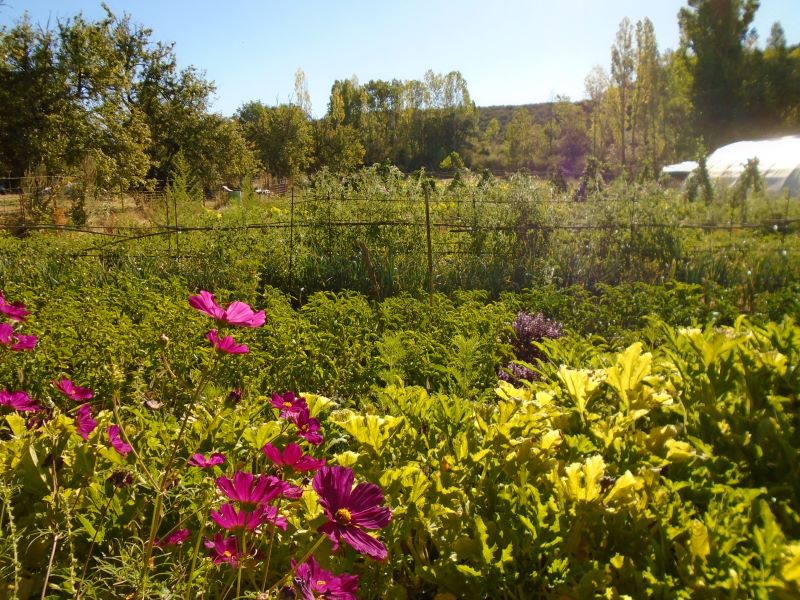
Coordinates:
(84, 421)
(224, 550)
(291, 491)
(228, 517)
(351, 510)
(116, 441)
(315, 582)
(173, 539)
(199, 460)
(72, 391)
(237, 313)
(251, 490)
(307, 426)
(293, 458)
(18, 401)
(14, 341)
(288, 403)
(25, 342)
(15, 311)
(225, 344)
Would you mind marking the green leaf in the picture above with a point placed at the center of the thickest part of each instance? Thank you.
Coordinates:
(258, 438)
(699, 545)
(17, 423)
(91, 532)
(487, 553)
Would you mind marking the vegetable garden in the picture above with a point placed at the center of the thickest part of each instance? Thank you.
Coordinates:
(595, 412)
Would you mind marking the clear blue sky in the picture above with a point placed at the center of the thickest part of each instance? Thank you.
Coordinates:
(509, 51)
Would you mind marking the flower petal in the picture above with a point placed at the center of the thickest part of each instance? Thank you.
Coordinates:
(364, 543)
(333, 485)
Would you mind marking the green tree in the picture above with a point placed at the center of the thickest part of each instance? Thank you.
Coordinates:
(713, 35)
(622, 73)
(301, 96)
(596, 85)
(338, 146)
(282, 137)
(648, 94)
(520, 142)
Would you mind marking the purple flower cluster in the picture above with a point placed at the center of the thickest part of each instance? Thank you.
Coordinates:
(9, 337)
(16, 342)
(21, 401)
(294, 409)
(251, 501)
(527, 329)
(315, 582)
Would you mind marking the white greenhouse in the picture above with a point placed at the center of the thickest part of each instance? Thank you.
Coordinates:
(778, 163)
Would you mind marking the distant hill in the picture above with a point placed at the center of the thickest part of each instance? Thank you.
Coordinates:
(504, 113)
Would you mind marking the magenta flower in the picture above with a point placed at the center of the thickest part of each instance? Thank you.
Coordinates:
(237, 313)
(72, 391)
(199, 460)
(291, 491)
(173, 539)
(116, 441)
(25, 342)
(14, 341)
(351, 510)
(288, 403)
(224, 550)
(307, 426)
(84, 421)
(315, 582)
(226, 344)
(204, 302)
(18, 401)
(249, 489)
(270, 515)
(228, 517)
(293, 458)
(15, 311)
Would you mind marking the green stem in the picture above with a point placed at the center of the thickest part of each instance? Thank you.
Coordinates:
(115, 409)
(55, 535)
(271, 543)
(239, 570)
(195, 552)
(298, 563)
(156, 520)
(12, 528)
(91, 545)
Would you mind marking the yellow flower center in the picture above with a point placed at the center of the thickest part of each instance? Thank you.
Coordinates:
(227, 554)
(287, 404)
(321, 582)
(343, 516)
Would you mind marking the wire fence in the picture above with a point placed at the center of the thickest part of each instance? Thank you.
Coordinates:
(425, 226)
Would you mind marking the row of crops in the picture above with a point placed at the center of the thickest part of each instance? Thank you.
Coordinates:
(161, 436)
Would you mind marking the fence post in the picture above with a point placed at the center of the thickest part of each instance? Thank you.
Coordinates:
(169, 224)
(430, 243)
(177, 233)
(330, 230)
(291, 241)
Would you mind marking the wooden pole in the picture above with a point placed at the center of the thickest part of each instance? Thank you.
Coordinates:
(430, 243)
(291, 241)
